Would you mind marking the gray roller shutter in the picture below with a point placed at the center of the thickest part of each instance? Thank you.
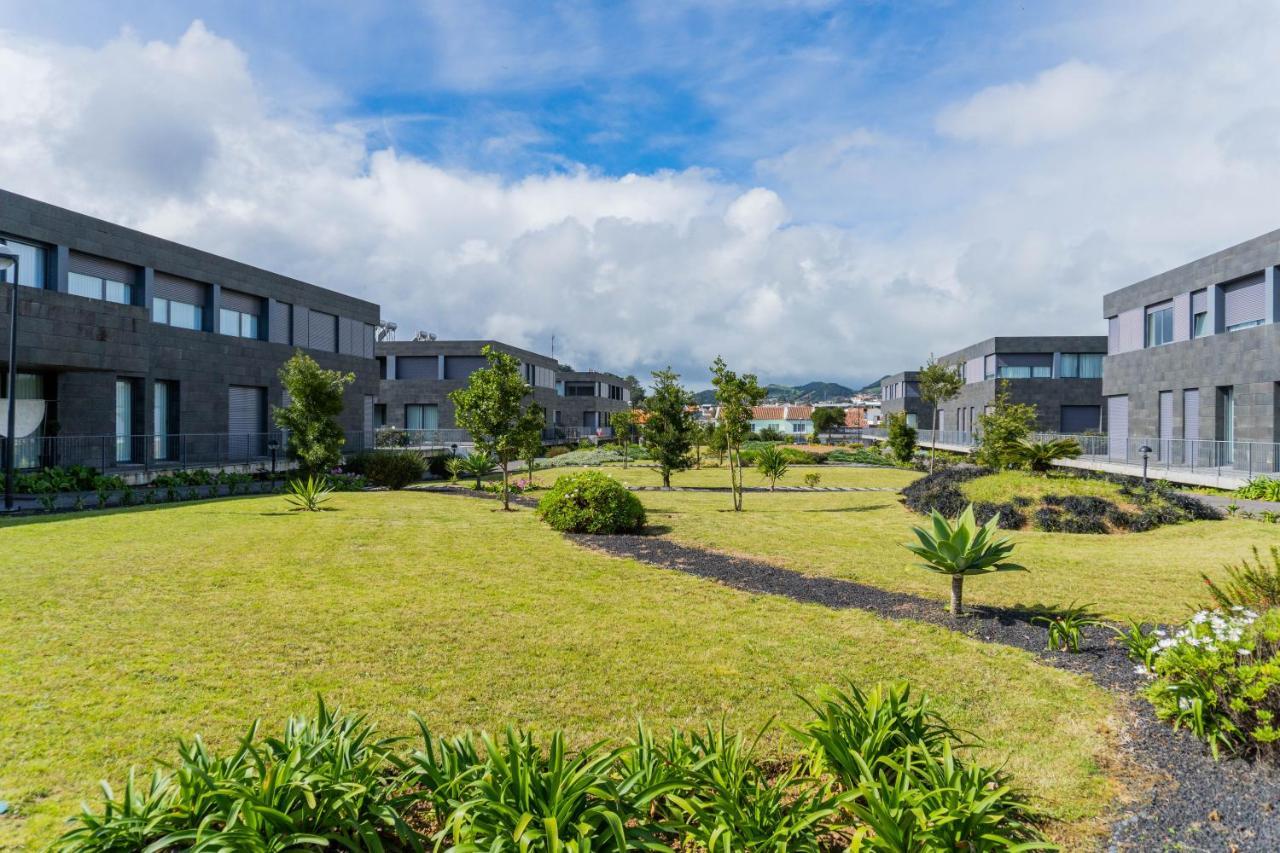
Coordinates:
(246, 420)
(1182, 317)
(462, 366)
(1243, 303)
(367, 340)
(281, 323)
(1165, 425)
(180, 289)
(234, 300)
(417, 367)
(1078, 419)
(1117, 427)
(1199, 301)
(323, 331)
(346, 336)
(301, 326)
(1191, 413)
(102, 268)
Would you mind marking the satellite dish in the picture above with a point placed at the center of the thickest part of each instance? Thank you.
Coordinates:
(28, 415)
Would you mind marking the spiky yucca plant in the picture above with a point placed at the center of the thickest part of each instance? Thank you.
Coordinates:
(962, 547)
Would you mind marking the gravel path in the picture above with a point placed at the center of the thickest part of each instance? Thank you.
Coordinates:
(1194, 802)
(727, 489)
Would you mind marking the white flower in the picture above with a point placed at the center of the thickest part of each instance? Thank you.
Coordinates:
(1192, 641)
(1200, 617)
(1142, 670)
(1159, 632)
(1166, 644)
(1243, 652)
(1238, 607)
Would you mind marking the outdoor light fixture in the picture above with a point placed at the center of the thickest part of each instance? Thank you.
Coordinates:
(7, 260)
(453, 449)
(273, 445)
(1146, 452)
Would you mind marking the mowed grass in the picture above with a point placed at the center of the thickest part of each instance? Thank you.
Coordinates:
(128, 629)
(645, 474)
(1002, 487)
(1151, 576)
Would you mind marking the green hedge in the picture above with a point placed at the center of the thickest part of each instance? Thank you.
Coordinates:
(591, 502)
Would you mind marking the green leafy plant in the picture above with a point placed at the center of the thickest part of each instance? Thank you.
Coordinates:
(902, 437)
(961, 548)
(812, 479)
(938, 382)
(772, 465)
(1253, 585)
(311, 418)
(591, 502)
(736, 398)
(455, 467)
(478, 464)
(391, 469)
(1066, 625)
(307, 495)
(668, 428)
(1039, 456)
(1000, 429)
(1260, 488)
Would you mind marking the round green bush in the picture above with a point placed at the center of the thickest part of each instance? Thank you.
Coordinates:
(392, 469)
(591, 502)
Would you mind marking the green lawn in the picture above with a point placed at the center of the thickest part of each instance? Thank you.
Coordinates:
(858, 536)
(644, 474)
(1002, 487)
(127, 629)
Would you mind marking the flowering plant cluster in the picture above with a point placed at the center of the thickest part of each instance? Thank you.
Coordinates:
(1217, 675)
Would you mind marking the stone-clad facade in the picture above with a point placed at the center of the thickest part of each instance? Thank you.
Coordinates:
(900, 393)
(75, 351)
(1217, 371)
(588, 399)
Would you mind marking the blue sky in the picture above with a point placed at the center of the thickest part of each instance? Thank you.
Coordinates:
(814, 189)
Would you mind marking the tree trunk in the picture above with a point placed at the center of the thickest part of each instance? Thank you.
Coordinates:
(666, 478)
(933, 449)
(506, 495)
(957, 595)
(625, 455)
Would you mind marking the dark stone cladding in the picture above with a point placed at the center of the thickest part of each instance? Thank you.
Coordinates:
(573, 408)
(89, 343)
(908, 405)
(395, 394)
(1047, 395)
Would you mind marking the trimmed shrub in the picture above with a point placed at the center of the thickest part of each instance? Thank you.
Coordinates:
(392, 469)
(1011, 518)
(941, 490)
(591, 502)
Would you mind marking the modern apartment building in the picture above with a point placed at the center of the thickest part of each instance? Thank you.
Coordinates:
(417, 376)
(148, 353)
(1193, 360)
(1060, 375)
(588, 399)
(900, 393)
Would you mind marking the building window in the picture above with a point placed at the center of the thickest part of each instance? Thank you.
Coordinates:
(1199, 324)
(124, 420)
(798, 427)
(237, 323)
(99, 288)
(164, 418)
(182, 315)
(989, 367)
(421, 417)
(31, 260)
(1160, 324)
(1081, 365)
(579, 389)
(615, 392)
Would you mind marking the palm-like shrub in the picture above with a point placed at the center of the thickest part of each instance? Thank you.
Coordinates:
(1254, 585)
(308, 494)
(591, 502)
(1039, 456)
(477, 465)
(962, 547)
(772, 463)
(455, 468)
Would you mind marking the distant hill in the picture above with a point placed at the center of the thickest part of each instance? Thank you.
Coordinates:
(873, 387)
(808, 393)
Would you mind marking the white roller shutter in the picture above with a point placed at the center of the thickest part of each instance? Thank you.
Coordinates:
(1243, 303)
(1165, 425)
(246, 420)
(1117, 427)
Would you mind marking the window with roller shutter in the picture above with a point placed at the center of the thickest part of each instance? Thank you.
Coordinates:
(323, 331)
(1243, 305)
(1117, 427)
(101, 278)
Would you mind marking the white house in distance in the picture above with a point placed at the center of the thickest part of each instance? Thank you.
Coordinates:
(789, 420)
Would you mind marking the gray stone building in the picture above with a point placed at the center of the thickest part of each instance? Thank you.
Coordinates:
(900, 393)
(1193, 360)
(1061, 376)
(417, 376)
(588, 399)
(148, 353)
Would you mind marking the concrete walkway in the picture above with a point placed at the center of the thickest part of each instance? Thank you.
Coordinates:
(1243, 504)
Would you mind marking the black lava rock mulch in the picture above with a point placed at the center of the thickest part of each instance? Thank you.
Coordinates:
(1194, 803)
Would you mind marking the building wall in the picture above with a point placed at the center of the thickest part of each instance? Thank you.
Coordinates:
(1247, 360)
(88, 343)
(572, 408)
(909, 404)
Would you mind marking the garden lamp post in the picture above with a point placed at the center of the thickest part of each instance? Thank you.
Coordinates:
(9, 259)
(1146, 452)
(453, 450)
(273, 445)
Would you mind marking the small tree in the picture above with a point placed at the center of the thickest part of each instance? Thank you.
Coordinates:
(902, 437)
(736, 396)
(772, 463)
(962, 547)
(938, 383)
(491, 409)
(623, 423)
(668, 425)
(1001, 428)
(715, 440)
(637, 391)
(826, 419)
(311, 418)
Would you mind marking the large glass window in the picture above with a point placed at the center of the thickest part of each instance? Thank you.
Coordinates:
(579, 389)
(31, 260)
(237, 323)
(1081, 365)
(124, 420)
(421, 417)
(163, 418)
(1160, 325)
(183, 315)
(99, 288)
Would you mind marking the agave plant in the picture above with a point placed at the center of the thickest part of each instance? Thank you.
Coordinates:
(478, 465)
(1039, 456)
(308, 494)
(771, 462)
(963, 547)
(1066, 625)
